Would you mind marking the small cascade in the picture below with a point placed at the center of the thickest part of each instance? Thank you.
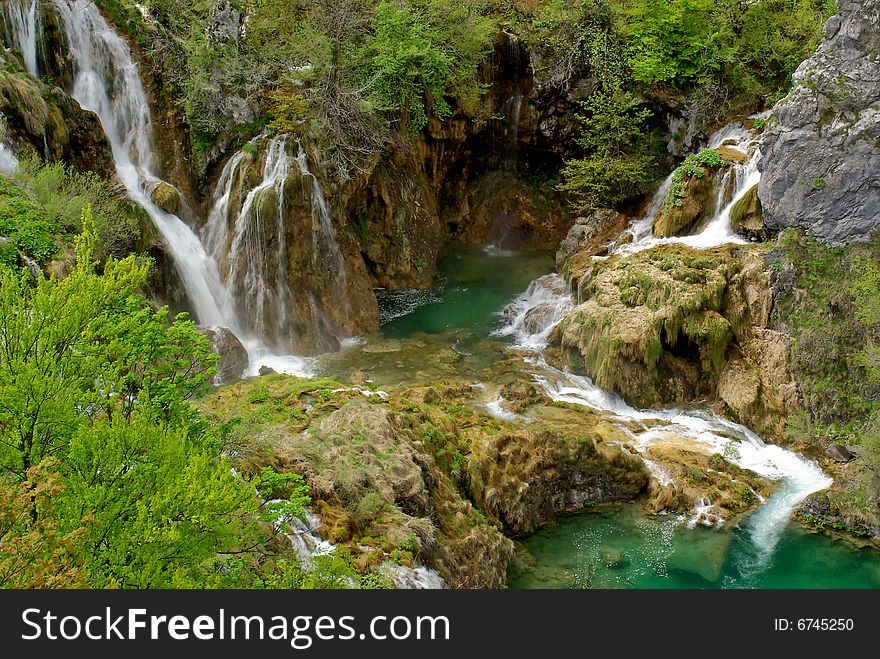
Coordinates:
(640, 230)
(327, 256)
(736, 182)
(799, 476)
(512, 111)
(308, 545)
(253, 260)
(413, 578)
(21, 22)
(8, 161)
(532, 316)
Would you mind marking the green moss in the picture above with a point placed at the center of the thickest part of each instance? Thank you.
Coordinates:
(694, 166)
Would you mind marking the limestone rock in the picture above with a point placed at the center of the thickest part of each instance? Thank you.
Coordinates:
(166, 197)
(747, 217)
(590, 235)
(232, 354)
(839, 453)
(821, 164)
(225, 23)
(681, 215)
(527, 479)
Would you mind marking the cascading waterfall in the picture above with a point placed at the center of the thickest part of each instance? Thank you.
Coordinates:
(718, 231)
(533, 315)
(8, 161)
(107, 82)
(22, 21)
(308, 545)
(799, 477)
(253, 261)
(326, 255)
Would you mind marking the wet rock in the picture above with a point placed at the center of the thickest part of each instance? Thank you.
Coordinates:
(612, 557)
(49, 122)
(821, 164)
(232, 354)
(166, 197)
(526, 479)
(265, 370)
(839, 453)
(590, 235)
(680, 215)
(747, 217)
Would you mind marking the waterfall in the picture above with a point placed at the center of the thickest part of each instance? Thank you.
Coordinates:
(8, 161)
(107, 82)
(532, 316)
(799, 476)
(21, 19)
(254, 262)
(308, 545)
(718, 230)
(326, 255)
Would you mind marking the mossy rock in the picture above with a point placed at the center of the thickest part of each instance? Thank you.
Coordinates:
(683, 213)
(747, 217)
(658, 325)
(166, 197)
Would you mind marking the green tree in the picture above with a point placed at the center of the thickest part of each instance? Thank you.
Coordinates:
(86, 344)
(674, 40)
(157, 505)
(618, 158)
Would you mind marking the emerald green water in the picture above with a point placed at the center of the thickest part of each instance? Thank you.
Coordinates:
(626, 549)
(448, 329)
(475, 284)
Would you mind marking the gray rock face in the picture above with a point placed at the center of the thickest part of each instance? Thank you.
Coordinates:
(225, 23)
(587, 230)
(839, 453)
(821, 165)
(233, 356)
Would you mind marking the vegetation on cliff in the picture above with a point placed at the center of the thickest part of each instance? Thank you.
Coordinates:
(827, 299)
(109, 476)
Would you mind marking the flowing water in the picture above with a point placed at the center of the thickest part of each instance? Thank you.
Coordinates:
(475, 284)
(477, 306)
(253, 259)
(21, 19)
(8, 161)
(736, 181)
(106, 81)
(326, 255)
(626, 549)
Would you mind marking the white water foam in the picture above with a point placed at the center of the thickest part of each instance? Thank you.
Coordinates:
(532, 316)
(8, 161)
(718, 231)
(22, 21)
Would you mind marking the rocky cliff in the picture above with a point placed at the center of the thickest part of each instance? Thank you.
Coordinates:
(821, 167)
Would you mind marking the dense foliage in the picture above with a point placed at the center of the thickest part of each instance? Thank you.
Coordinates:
(360, 73)
(829, 303)
(108, 476)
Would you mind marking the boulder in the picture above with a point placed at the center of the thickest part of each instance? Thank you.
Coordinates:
(166, 197)
(590, 235)
(821, 164)
(747, 218)
(232, 354)
(839, 453)
(683, 214)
